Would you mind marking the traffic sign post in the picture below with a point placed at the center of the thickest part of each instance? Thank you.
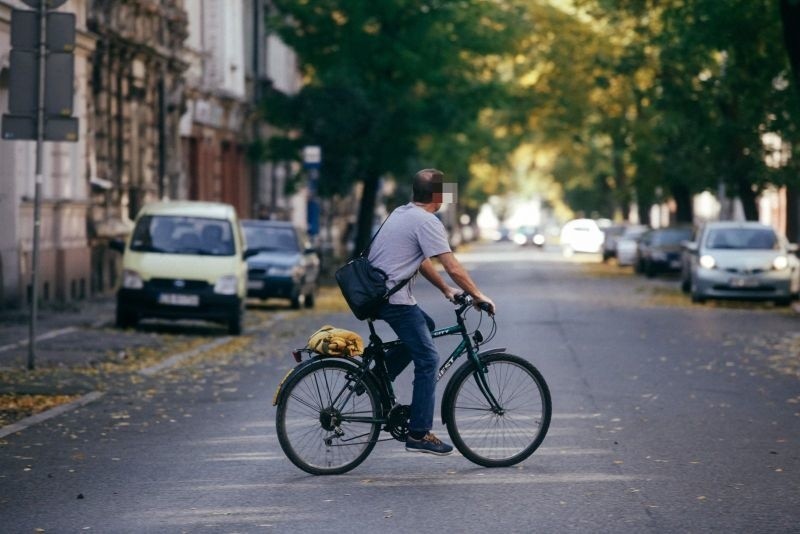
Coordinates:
(40, 104)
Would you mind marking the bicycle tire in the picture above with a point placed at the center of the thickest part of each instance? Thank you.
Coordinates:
(482, 436)
(305, 410)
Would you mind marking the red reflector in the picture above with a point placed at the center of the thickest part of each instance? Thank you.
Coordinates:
(298, 356)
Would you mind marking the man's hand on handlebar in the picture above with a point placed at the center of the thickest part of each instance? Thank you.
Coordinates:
(481, 302)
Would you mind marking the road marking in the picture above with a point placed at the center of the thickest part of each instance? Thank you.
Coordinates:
(455, 479)
(177, 358)
(49, 414)
(43, 337)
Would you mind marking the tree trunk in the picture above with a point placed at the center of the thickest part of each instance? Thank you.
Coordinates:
(684, 212)
(792, 229)
(620, 175)
(790, 16)
(366, 212)
(748, 198)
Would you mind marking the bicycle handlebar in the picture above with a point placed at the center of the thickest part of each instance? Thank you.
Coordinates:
(466, 300)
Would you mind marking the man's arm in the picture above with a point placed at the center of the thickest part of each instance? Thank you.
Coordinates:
(432, 275)
(460, 276)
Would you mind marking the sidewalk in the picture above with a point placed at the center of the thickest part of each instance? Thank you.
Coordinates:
(52, 322)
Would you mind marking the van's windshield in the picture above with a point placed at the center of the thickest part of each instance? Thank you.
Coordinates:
(183, 235)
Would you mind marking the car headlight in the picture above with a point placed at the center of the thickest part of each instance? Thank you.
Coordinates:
(780, 263)
(227, 285)
(131, 280)
(707, 261)
(520, 239)
(538, 239)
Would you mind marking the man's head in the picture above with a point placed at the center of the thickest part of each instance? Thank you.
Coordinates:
(429, 188)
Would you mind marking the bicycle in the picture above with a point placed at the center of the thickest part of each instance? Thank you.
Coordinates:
(331, 410)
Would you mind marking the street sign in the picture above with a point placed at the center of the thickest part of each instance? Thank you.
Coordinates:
(48, 4)
(23, 128)
(312, 156)
(25, 31)
(58, 89)
(23, 87)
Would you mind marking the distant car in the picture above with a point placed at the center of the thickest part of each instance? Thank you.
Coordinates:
(281, 263)
(627, 244)
(659, 250)
(581, 235)
(611, 234)
(529, 235)
(743, 260)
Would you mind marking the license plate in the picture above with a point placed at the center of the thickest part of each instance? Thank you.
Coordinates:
(744, 282)
(255, 284)
(176, 299)
(674, 264)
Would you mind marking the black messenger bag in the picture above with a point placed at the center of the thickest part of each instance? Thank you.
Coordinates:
(364, 286)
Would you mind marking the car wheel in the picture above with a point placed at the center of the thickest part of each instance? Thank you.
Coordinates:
(125, 318)
(697, 297)
(310, 300)
(235, 322)
(685, 287)
(297, 300)
(649, 270)
(783, 302)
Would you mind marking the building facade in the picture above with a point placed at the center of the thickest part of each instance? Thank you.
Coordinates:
(65, 256)
(216, 126)
(137, 90)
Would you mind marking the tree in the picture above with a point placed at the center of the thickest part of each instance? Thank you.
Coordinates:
(382, 77)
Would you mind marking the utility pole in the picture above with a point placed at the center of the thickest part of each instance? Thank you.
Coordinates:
(40, 104)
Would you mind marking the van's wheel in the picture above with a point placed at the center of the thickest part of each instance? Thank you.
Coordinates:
(235, 322)
(297, 300)
(125, 318)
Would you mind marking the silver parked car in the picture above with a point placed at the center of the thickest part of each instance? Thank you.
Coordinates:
(742, 260)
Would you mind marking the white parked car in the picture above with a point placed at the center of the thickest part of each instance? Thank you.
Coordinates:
(743, 260)
(581, 235)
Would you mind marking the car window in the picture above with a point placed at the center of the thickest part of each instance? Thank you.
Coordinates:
(672, 237)
(183, 235)
(742, 238)
(271, 238)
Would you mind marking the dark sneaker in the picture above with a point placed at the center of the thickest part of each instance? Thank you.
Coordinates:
(429, 444)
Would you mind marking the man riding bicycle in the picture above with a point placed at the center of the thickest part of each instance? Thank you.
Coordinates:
(409, 238)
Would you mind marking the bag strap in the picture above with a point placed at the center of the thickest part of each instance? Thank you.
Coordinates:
(365, 253)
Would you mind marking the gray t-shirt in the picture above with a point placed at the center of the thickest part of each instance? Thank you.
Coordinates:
(409, 236)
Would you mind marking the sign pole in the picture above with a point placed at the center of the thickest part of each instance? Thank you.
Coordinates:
(37, 196)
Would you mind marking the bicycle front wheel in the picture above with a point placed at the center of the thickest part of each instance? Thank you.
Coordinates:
(323, 426)
(504, 437)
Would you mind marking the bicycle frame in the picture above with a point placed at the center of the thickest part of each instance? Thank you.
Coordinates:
(466, 345)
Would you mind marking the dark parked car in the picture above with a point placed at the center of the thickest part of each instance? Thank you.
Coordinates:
(660, 250)
(283, 263)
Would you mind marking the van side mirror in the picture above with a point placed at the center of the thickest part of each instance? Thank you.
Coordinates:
(118, 245)
(690, 246)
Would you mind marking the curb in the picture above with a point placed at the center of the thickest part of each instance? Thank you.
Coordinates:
(178, 358)
(22, 424)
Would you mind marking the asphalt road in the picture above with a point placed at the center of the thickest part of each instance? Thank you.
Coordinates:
(668, 417)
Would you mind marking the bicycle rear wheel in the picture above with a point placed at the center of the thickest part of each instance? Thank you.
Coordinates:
(323, 427)
(488, 437)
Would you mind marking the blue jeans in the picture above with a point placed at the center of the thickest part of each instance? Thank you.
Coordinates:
(413, 327)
